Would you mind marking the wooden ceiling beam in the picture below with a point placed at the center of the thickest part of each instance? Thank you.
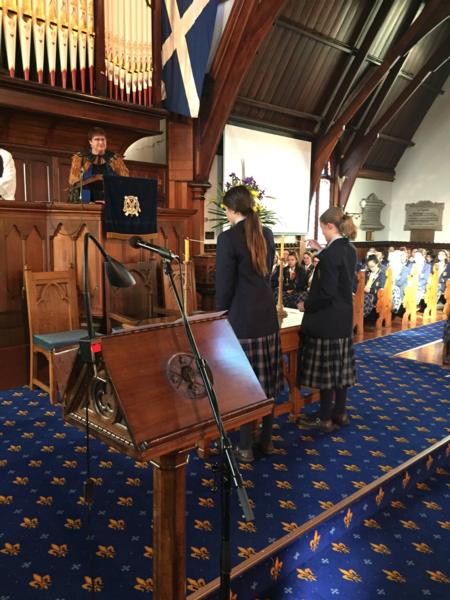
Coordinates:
(396, 140)
(359, 151)
(341, 91)
(434, 13)
(291, 25)
(271, 127)
(374, 102)
(247, 27)
(280, 109)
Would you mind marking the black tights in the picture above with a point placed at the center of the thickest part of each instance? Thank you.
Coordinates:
(332, 403)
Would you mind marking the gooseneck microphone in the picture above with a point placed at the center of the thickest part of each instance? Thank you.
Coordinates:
(137, 242)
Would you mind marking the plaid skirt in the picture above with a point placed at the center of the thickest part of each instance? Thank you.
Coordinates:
(264, 355)
(446, 334)
(326, 363)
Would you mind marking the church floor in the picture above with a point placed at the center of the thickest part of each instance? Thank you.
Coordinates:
(51, 546)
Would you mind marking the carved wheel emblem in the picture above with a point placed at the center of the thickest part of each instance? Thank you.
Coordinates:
(184, 376)
(103, 399)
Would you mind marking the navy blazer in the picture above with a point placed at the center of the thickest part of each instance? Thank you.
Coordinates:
(240, 289)
(329, 306)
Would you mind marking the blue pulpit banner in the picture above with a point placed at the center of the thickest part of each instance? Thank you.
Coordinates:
(130, 205)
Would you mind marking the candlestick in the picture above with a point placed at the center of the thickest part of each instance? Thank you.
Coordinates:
(280, 309)
(186, 250)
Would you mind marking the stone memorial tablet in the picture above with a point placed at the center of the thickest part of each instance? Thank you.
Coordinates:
(424, 215)
(371, 208)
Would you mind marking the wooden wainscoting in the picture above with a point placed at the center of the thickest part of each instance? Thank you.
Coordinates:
(49, 236)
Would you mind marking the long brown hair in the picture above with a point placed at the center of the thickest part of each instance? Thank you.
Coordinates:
(342, 221)
(240, 200)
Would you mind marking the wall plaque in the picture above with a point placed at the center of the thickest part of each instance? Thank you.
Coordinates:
(424, 215)
(371, 208)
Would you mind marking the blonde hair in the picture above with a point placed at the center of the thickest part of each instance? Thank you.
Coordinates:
(342, 221)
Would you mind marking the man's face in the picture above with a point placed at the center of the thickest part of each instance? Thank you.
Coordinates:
(98, 144)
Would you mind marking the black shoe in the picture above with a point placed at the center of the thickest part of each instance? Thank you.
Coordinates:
(311, 418)
(244, 456)
(324, 426)
(263, 447)
(341, 420)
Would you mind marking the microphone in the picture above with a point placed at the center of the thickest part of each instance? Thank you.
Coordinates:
(81, 184)
(137, 242)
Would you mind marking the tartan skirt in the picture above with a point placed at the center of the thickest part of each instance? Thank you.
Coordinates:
(264, 355)
(326, 363)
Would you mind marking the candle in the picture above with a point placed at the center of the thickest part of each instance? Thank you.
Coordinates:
(282, 249)
(186, 250)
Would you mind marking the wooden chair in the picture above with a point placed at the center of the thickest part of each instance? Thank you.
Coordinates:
(53, 320)
(384, 303)
(446, 310)
(409, 318)
(151, 299)
(135, 305)
(189, 295)
(358, 306)
(431, 296)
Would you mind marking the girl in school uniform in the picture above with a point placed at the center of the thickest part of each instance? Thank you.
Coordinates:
(244, 259)
(326, 357)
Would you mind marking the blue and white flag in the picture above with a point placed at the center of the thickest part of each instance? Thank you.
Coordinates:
(186, 31)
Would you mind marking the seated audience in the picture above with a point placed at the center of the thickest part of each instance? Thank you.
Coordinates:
(294, 281)
(423, 272)
(443, 266)
(375, 280)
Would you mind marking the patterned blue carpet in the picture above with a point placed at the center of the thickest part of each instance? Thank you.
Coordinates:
(403, 551)
(49, 549)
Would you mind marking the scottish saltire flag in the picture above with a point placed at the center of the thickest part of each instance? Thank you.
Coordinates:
(186, 32)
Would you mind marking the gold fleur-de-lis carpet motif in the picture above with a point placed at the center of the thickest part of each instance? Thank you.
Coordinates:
(406, 556)
(49, 547)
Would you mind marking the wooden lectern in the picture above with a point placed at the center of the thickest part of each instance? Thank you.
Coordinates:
(75, 190)
(148, 401)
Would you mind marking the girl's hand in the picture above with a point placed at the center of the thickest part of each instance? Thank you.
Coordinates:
(314, 244)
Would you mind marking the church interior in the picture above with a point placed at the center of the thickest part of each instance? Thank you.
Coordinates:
(126, 126)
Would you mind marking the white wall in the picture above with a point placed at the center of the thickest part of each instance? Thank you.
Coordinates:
(151, 149)
(423, 173)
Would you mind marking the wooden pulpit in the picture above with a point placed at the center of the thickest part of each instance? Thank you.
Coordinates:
(76, 188)
(148, 401)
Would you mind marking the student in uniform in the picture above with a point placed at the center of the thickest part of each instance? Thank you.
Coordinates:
(326, 357)
(244, 259)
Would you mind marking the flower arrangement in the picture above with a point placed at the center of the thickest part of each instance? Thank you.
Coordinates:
(217, 212)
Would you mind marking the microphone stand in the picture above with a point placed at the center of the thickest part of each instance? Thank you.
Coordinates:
(230, 474)
(80, 198)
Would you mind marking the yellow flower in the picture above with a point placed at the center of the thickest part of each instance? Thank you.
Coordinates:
(144, 585)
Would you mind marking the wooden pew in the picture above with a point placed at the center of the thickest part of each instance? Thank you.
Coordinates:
(447, 298)
(358, 306)
(384, 303)
(410, 301)
(431, 296)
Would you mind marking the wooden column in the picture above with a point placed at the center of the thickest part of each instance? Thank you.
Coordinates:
(198, 191)
(169, 535)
